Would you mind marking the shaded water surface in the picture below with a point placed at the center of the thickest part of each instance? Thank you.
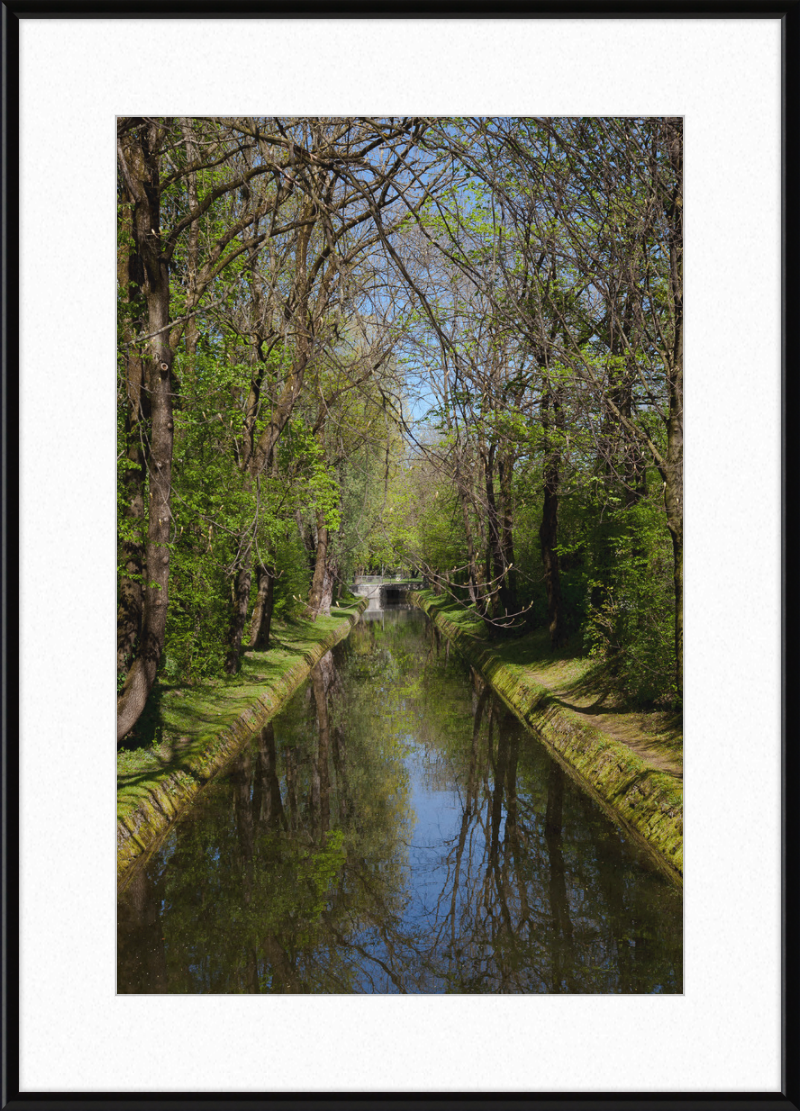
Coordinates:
(395, 829)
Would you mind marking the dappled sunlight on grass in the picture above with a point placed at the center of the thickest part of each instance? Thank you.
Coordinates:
(189, 719)
(580, 683)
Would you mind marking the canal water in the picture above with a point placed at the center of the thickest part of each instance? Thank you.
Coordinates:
(395, 829)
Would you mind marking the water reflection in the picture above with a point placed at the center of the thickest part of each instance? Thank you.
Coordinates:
(395, 829)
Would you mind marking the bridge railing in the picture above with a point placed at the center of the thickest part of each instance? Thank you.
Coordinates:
(398, 576)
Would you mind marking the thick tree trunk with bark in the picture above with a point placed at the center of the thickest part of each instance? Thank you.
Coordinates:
(159, 386)
(262, 611)
(131, 593)
(673, 491)
(321, 594)
(673, 501)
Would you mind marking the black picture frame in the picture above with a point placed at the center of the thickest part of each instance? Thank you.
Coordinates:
(13, 11)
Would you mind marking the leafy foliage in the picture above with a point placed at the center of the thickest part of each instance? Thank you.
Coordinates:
(473, 384)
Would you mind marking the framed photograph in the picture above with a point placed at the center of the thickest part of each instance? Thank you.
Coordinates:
(723, 1031)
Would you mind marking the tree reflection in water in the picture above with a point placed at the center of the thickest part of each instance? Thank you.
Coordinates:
(396, 829)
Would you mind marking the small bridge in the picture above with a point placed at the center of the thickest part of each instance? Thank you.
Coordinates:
(380, 590)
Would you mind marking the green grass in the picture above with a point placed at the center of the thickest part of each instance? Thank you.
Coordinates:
(187, 723)
(577, 681)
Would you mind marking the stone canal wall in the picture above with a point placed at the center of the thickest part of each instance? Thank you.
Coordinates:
(646, 802)
(141, 823)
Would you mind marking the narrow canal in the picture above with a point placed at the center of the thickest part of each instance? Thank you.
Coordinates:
(395, 829)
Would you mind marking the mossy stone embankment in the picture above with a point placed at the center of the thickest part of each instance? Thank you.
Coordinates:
(202, 728)
(638, 784)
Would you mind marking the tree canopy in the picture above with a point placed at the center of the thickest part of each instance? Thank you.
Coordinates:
(446, 346)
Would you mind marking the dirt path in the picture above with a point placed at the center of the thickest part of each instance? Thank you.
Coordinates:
(662, 751)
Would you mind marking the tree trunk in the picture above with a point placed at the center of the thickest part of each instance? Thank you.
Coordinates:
(244, 579)
(131, 593)
(465, 502)
(673, 492)
(318, 580)
(505, 468)
(500, 550)
(677, 578)
(495, 569)
(673, 501)
(147, 236)
(282, 410)
(321, 595)
(548, 530)
(262, 612)
(472, 563)
(257, 454)
(193, 254)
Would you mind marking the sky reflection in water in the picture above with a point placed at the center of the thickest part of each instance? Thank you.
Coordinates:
(395, 829)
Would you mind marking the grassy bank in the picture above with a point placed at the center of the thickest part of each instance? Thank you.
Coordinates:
(631, 761)
(197, 730)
